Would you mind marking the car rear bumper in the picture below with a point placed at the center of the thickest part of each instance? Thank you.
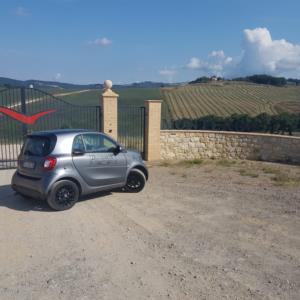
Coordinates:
(27, 192)
(28, 186)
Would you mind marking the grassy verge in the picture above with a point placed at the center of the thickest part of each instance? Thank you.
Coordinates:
(282, 179)
(248, 173)
(275, 174)
(226, 162)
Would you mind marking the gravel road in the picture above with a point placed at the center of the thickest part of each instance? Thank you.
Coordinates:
(198, 232)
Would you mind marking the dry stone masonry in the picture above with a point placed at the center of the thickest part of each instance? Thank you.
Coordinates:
(192, 144)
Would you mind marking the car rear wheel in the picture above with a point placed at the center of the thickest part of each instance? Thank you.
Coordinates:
(64, 194)
(136, 181)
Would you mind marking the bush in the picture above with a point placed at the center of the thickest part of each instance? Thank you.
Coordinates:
(264, 79)
(281, 124)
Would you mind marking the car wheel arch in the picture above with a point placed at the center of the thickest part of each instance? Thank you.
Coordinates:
(73, 180)
(141, 168)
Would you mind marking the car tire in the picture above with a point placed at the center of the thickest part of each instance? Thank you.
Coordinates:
(63, 195)
(136, 181)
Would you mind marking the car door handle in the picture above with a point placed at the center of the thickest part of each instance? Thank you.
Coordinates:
(92, 157)
(103, 162)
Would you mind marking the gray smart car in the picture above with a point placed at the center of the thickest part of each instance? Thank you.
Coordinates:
(61, 165)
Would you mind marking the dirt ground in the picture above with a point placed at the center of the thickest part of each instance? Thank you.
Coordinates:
(200, 230)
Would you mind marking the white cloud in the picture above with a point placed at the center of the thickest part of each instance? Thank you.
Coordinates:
(215, 63)
(21, 11)
(260, 54)
(194, 63)
(219, 54)
(168, 74)
(57, 76)
(101, 42)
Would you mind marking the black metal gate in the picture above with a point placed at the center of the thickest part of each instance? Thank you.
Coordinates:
(131, 127)
(20, 109)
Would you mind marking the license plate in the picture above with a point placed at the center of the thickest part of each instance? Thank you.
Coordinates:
(28, 164)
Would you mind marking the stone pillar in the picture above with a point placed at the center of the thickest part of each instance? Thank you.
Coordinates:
(152, 130)
(109, 107)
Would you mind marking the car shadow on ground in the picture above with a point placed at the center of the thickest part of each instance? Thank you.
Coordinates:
(12, 200)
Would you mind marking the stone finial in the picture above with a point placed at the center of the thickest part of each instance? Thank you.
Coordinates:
(107, 85)
(107, 91)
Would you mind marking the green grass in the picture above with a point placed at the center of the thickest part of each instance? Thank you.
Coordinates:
(189, 163)
(127, 96)
(286, 180)
(248, 173)
(270, 170)
(182, 163)
(226, 162)
(195, 162)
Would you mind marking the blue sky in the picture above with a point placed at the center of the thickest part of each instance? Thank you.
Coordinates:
(88, 41)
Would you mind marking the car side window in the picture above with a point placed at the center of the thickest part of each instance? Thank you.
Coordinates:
(98, 143)
(78, 144)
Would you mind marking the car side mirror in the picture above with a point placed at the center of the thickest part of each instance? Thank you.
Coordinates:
(77, 152)
(117, 150)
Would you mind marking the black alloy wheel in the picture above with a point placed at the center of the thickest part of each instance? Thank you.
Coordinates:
(136, 181)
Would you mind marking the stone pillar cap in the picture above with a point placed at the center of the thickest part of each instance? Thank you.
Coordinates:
(107, 84)
(154, 101)
(107, 91)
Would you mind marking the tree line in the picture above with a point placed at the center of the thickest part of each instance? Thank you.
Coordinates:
(258, 79)
(204, 79)
(276, 124)
(264, 79)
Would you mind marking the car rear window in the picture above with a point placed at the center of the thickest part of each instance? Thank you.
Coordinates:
(38, 145)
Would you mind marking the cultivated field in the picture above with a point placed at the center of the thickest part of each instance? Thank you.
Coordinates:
(128, 96)
(225, 99)
(194, 101)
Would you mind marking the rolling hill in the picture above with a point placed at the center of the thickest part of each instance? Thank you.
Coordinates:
(191, 101)
(128, 96)
(227, 98)
(49, 86)
(55, 86)
(194, 101)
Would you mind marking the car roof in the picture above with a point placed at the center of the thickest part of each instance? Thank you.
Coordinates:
(60, 132)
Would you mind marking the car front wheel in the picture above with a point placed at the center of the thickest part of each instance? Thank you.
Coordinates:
(136, 181)
(64, 194)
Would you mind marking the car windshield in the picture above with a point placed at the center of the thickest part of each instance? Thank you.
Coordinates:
(37, 146)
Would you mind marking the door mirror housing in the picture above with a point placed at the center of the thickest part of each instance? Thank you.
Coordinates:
(117, 150)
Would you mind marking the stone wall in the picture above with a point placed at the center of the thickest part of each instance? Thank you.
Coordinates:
(191, 144)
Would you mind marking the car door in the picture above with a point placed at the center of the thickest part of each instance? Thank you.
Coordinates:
(99, 165)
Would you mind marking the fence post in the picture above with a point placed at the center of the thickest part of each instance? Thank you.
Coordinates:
(23, 110)
(152, 130)
(109, 107)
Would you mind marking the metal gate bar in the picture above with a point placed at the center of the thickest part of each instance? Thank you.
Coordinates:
(30, 101)
(131, 127)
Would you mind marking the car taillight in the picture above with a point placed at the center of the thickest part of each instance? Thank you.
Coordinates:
(49, 163)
